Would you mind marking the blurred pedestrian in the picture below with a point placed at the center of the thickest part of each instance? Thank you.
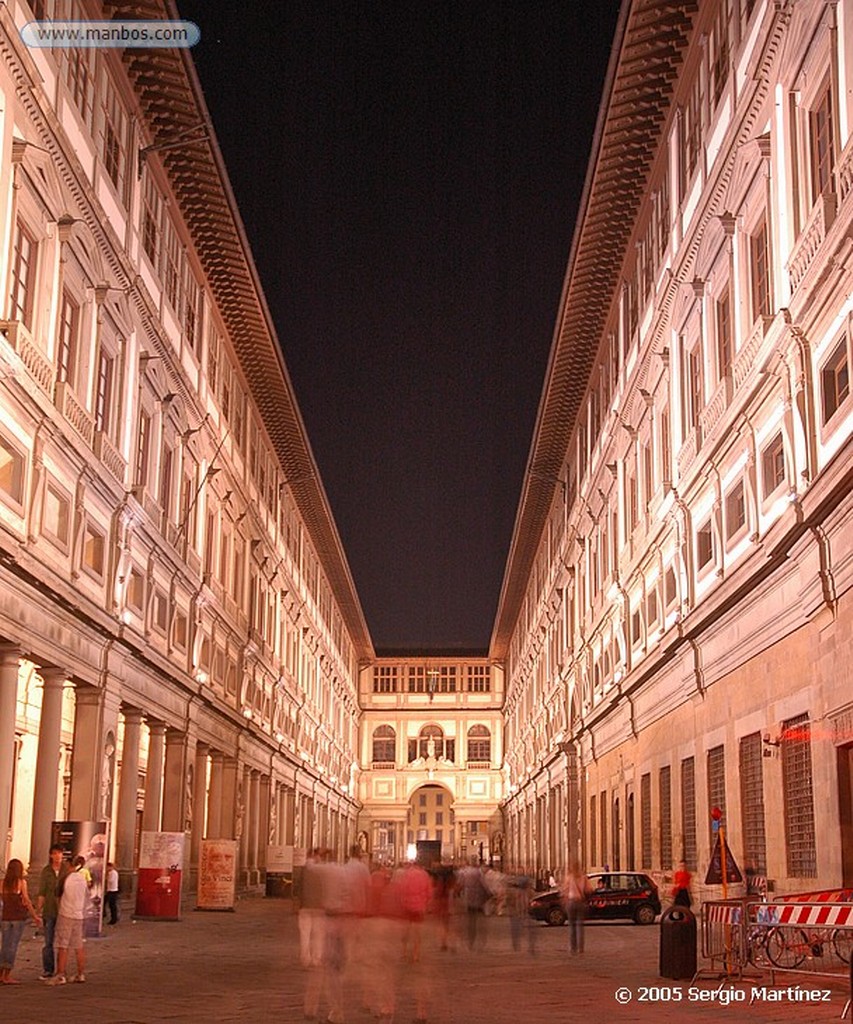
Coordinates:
(519, 892)
(575, 890)
(474, 894)
(16, 909)
(681, 886)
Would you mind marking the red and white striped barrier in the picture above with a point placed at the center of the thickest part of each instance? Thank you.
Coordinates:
(816, 915)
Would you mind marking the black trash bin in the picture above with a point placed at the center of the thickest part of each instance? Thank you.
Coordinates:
(677, 943)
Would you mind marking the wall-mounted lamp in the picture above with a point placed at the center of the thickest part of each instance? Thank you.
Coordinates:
(768, 743)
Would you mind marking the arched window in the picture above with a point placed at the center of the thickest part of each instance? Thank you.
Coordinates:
(479, 743)
(384, 744)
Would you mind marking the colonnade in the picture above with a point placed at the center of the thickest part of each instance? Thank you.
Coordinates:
(211, 777)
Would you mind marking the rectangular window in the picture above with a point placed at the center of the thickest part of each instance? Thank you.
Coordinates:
(646, 821)
(772, 465)
(478, 679)
(835, 381)
(670, 588)
(718, 53)
(724, 336)
(171, 267)
(69, 331)
(691, 133)
(716, 782)
(180, 631)
(151, 218)
(104, 392)
(161, 612)
(704, 544)
(56, 516)
(665, 448)
(113, 136)
(22, 275)
(688, 812)
(665, 816)
(821, 143)
(93, 551)
(384, 678)
(759, 265)
(694, 387)
(192, 312)
(136, 591)
(79, 74)
(12, 467)
(143, 449)
(651, 609)
(593, 850)
(800, 839)
(752, 803)
(735, 510)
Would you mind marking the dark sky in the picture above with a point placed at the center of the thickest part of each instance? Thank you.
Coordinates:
(409, 174)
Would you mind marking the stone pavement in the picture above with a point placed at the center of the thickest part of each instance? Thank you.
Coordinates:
(244, 966)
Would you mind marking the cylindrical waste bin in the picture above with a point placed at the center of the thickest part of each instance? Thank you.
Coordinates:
(677, 943)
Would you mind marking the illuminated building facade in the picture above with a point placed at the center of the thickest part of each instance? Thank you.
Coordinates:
(432, 753)
(676, 616)
(180, 633)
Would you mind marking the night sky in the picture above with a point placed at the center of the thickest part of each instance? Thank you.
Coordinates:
(409, 175)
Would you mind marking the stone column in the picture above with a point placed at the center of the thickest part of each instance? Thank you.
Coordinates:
(199, 801)
(128, 789)
(214, 796)
(175, 797)
(86, 764)
(254, 822)
(288, 815)
(10, 660)
(264, 838)
(242, 831)
(154, 777)
(47, 764)
(229, 797)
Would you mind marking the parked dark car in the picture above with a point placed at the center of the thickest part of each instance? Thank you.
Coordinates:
(616, 894)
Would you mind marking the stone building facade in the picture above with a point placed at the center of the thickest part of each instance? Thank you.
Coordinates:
(432, 755)
(676, 613)
(180, 632)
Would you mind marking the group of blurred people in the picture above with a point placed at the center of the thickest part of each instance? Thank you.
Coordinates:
(362, 927)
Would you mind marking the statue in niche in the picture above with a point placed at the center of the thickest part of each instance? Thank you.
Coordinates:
(107, 769)
(238, 824)
(189, 787)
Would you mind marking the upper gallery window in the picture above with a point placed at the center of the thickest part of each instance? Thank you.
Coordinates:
(12, 468)
(22, 275)
(759, 265)
(835, 380)
(821, 143)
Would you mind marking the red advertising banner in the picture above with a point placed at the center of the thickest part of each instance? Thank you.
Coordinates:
(158, 890)
(217, 875)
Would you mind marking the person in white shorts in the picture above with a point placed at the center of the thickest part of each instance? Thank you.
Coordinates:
(69, 924)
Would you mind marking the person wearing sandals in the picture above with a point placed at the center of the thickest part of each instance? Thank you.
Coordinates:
(16, 909)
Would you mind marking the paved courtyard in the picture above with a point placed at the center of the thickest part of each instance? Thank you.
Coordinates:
(244, 966)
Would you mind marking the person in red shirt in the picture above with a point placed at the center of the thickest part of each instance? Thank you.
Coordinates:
(681, 886)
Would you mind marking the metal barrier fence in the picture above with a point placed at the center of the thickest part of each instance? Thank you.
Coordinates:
(793, 936)
(723, 935)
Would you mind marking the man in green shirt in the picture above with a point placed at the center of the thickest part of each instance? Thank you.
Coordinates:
(47, 904)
